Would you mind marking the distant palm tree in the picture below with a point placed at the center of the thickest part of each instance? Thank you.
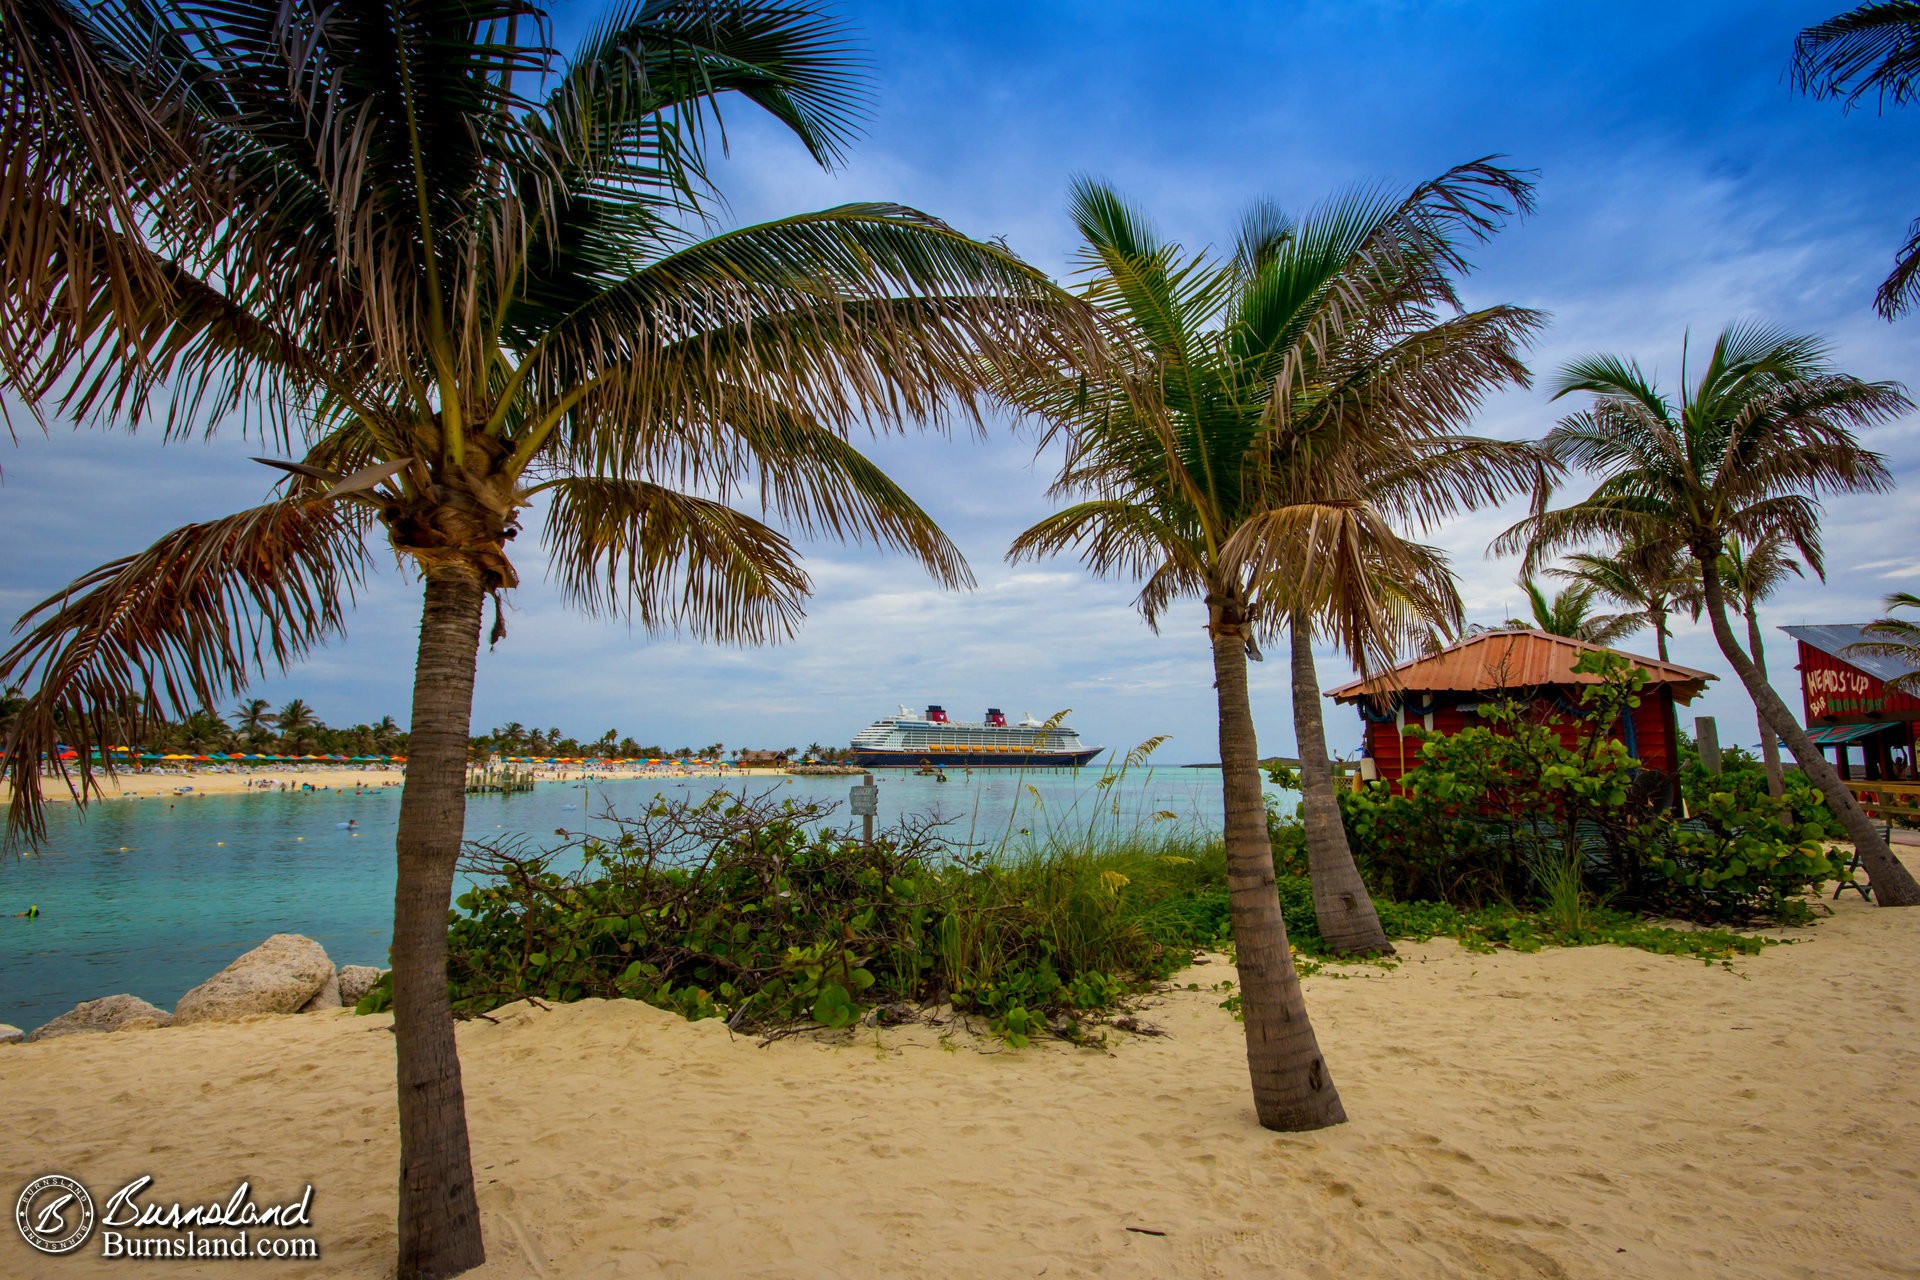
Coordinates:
(1897, 638)
(1650, 581)
(252, 718)
(1870, 52)
(1286, 407)
(1569, 612)
(458, 275)
(297, 723)
(1751, 575)
(1767, 427)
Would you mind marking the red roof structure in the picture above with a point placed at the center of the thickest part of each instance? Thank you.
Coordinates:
(1442, 693)
(1512, 660)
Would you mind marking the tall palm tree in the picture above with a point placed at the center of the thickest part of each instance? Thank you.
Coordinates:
(1745, 453)
(1898, 638)
(1284, 409)
(459, 275)
(1870, 52)
(1569, 612)
(1750, 575)
(1650, 581)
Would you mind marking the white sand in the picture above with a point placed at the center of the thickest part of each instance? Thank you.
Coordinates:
(1582, 1113)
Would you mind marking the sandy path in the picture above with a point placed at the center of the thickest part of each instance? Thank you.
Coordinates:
(1582, 1113)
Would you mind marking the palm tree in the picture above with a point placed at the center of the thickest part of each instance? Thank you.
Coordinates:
(1745, 454)
(462, 275)
(1569, 612)
(252, 719)
(1649, 581)
(1750, 576)
(1897, 638)
(1284, 408)
(1872, 51)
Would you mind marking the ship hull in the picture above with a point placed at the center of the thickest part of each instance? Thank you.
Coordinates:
(972, 758)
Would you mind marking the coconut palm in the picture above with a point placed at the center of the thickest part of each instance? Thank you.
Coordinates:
(1745, 454)
(1569, 612)
(1750, 575)
(252, 718)
(1649, 581)
(459, 275)
(1897, 638)
(1870, 52)
(1284, 409)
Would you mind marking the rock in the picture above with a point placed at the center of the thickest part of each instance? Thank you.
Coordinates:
(113, 1013)
(327, 997)
(355, 981)
(278, 976)
(10, 1034)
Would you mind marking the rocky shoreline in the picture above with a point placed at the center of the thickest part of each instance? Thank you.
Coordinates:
(286, 974)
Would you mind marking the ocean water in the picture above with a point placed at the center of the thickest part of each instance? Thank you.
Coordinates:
(154, 896)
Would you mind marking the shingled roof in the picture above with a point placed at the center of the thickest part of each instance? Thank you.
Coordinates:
(1511, 659)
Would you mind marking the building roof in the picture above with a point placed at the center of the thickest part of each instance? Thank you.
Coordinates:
(1834, 637)
(1512, 659)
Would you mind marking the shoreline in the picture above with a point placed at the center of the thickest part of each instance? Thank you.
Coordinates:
(190, 784)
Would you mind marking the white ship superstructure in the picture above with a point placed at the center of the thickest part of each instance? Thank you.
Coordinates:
(911, 739)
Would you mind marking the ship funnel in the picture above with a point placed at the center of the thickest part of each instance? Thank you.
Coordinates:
(996, 717)
(937, 714)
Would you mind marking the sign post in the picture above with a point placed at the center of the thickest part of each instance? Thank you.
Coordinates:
(865, 798)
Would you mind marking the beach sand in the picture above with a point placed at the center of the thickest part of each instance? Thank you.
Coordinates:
(1581, 1113)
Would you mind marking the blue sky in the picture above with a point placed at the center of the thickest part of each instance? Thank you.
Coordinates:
(1681, 186)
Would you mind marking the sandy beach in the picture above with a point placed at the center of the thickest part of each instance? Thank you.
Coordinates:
(1573, 1113)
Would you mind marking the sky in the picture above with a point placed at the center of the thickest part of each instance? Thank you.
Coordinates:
(1681, 186)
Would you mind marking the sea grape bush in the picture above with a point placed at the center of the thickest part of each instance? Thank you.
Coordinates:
(1508, 813)
(756, 912)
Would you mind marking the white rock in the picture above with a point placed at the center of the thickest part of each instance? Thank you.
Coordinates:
(10, 1034)
(355, 981)
(278, 976)
(113, 1013)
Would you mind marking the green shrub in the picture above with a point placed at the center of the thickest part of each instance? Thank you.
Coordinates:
(1506, 813)
(754, 912)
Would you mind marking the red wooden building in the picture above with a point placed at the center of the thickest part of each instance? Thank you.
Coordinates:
(1443, 693)
(1848, 706)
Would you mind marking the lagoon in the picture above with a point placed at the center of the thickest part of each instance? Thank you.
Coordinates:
(154, 896)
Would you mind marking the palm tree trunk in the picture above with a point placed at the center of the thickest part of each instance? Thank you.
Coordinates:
(1348, 923)
(1893, 884)
(1660, 633)
(1291, 1087)
(1769, 741)
(439, 1215)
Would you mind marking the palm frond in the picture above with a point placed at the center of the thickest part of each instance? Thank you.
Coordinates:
(180, 626)
(672, 561)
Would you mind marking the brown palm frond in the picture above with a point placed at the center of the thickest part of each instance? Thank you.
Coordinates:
(671, 561)
(180, 626)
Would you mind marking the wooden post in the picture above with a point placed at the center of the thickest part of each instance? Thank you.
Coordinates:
(865, 799)
(1707, 738)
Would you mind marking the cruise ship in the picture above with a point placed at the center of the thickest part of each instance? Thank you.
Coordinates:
(910, 740)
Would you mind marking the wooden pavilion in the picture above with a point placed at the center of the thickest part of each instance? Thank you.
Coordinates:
(1848, 705)
(1443, 693)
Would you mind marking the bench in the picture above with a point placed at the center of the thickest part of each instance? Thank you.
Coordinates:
(1886, 802)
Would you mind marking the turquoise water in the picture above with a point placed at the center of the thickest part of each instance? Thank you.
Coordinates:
(153, 896)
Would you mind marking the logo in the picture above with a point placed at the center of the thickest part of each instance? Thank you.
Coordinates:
(54, 1214)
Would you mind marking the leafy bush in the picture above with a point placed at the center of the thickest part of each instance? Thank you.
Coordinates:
(743, 909)
(1508, 813)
